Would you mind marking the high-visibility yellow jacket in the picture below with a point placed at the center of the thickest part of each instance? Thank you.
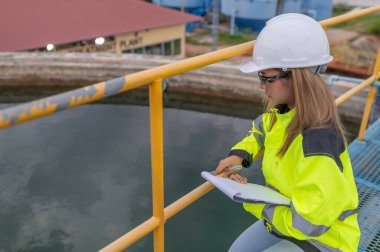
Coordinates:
(315, 173)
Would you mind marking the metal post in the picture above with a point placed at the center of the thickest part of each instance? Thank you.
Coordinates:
(215, 24)
(370, 97)
(157, 153)
(232, 22)
(375, 112)
(182, 6)
(366, 113)
(280, 7)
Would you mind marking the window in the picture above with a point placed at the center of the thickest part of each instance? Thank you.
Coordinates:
(177, 46)
(153, 49)
(167, 48)
(138, 50)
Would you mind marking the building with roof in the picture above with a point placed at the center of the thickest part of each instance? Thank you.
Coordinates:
(119, 26)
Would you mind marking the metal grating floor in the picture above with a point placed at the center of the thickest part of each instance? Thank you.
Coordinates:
(365, 160)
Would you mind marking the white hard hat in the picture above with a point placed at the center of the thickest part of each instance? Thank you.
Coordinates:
(290, 40)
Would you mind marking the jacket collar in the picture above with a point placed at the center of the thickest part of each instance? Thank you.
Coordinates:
(282, 108)
(284, 114)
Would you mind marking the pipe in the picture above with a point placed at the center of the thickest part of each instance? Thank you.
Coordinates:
(333, 78)
(344, 97)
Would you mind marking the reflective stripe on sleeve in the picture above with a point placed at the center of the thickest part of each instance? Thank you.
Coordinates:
(347, 213)
(305, 226)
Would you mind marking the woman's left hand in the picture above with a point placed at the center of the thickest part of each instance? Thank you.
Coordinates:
(235, 177)
(238, 178)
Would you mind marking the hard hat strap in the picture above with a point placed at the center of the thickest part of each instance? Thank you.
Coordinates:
(318, 69)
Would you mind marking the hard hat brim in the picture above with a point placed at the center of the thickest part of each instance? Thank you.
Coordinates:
(249, 67)
(252, 67)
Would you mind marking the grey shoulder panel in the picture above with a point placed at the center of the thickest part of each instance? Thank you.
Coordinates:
(259, 125)
(323, 142)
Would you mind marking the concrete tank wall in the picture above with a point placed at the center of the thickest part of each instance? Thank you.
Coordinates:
(218, 88)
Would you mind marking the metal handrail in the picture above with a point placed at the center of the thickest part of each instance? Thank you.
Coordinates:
(131, 237)
(153, 77)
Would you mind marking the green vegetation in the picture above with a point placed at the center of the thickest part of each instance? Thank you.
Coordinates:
(369, 24)
(340, 9)
(204, 38)
(227, 39)
(375, 27)
(194, 41)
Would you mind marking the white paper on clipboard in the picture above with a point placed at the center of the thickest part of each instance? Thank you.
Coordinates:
(246, 193)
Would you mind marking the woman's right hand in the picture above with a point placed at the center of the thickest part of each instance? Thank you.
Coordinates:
(227, 163)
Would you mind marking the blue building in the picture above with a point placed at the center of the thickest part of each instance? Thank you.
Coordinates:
(195, 7)
(253, 14)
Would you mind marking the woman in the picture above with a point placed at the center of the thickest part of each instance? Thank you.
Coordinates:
(303, 144)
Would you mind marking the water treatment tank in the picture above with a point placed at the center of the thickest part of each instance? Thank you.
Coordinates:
(195, 7)
(249, 13)
(178, 3)
(292, 6)
(253, 14)
(317, 9)
(192, 6)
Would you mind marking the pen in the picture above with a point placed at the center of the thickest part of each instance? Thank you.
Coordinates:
(233, 168)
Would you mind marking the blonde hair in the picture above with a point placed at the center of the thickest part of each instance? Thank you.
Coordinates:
(315, 107)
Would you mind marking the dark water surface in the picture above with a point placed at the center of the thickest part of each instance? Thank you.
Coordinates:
(77, 180)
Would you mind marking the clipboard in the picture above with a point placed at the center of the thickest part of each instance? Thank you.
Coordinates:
(246, 193)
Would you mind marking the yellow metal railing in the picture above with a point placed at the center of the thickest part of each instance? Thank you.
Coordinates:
(153, 77)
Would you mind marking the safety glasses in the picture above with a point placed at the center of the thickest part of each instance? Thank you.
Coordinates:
(266, 80)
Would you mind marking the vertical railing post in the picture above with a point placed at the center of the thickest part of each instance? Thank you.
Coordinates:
(157, 153)
(370, 98)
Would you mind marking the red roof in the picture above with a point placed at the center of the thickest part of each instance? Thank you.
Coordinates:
(27, 24)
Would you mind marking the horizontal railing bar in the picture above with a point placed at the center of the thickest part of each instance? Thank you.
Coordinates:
(355, 90)
(132, 236)
(349, 16)
(187, 200)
